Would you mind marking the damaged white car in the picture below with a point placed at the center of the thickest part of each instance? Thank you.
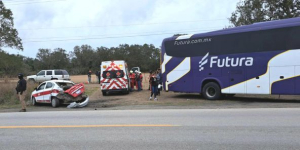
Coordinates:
(56, 92)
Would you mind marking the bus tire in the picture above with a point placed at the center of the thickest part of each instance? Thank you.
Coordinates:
(211, 91)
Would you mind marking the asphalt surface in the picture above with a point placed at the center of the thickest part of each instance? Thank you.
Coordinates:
(152, 129)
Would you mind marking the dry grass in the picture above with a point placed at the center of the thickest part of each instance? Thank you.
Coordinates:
(8, 96)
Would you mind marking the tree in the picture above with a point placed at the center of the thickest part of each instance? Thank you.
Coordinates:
(8, 34)
(10, 65)
(44, 57)
(59, 59)
(251, 11)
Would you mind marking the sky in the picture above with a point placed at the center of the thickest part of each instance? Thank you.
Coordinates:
(67, 23)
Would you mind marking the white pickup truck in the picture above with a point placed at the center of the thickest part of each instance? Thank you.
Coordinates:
(46, 75)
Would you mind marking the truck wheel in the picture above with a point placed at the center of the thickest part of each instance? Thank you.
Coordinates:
(104, 93)
(31, 81)
(127, 91)
(211, 91)
(54, 102)
(33, 101)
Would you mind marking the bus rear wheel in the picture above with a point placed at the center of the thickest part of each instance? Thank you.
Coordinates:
(211, 91)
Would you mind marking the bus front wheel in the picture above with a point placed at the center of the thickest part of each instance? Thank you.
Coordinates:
(211, 91)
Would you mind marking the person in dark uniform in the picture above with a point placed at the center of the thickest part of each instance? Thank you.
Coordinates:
(21, 91)
(154, 84)
(90, 76)
(98, 76)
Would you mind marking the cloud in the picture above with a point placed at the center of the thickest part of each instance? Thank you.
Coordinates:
(114, 18)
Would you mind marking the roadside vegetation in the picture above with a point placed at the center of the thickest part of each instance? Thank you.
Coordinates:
(8, 95)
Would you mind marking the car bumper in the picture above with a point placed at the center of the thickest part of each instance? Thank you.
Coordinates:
(115, 90)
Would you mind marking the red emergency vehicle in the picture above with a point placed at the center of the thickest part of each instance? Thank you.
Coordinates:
(114, 77)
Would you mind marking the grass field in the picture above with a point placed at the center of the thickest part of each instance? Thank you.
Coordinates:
(8, 96)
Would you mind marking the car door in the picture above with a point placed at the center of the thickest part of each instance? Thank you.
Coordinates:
(41, 76)
(49, 75)
(39, 93)
(47, 92)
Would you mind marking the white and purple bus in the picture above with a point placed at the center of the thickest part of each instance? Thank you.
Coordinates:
(262, 58)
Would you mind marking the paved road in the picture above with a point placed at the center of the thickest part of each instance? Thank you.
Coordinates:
(152, 129)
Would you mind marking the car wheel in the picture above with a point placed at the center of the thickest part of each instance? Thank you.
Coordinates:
(104, 93)
(33, 101)
(31, 81)
(211, 91)
(54, 102)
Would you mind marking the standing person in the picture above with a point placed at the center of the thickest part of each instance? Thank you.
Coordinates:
(154, 84)
(21, 91)
(136, 74)
(138, 80)
(89, 76)
(98, 76)
(132, 79)
(141, 77)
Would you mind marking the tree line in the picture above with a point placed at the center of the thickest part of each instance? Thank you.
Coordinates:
(80, 59)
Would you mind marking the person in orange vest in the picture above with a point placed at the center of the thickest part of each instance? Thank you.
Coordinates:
(132, 79)
(137, 79)
(141, 77)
